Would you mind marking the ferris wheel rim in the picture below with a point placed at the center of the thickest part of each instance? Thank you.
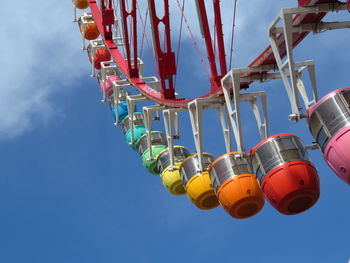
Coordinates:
(266, 57)
(137, 82)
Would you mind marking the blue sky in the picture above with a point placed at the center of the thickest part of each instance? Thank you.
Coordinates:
(71, 190)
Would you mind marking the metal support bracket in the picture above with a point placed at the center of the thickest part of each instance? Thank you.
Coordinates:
(172, 131)
(131, 100)
(195, 109)
(84, 19)
(120, 85)
(148, 117)
(94, 45)
(108, 68)
(288, 68)
(233, 98)
(74, 12)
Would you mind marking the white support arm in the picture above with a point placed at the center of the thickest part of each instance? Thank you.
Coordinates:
(233, 98)
(171, 123)
(226, 129)
(148, 113)
(168, 116)
(195, 110)
(106, 67)
(292, 80)
(229, 82)
(131, 100)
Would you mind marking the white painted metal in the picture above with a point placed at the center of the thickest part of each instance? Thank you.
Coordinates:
(75, 11)
(233, 98)
(288, 70)
(148, 117)
(118, 86)
(226, 128)
(131, 100)
(106, 68)
(75, 15)
(300, 84)
(85, 18)
(196, 108)
(199, 18)
(96, 44)
(315, 27)
(290, 87)
(323, 7)
(171, 123)
(124, 83)
(195, 111)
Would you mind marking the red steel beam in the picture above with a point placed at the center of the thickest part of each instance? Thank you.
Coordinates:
(266, 57)
(220, 37)
(107, 18)
(203, 20)
(166, 64)
(137, 82)
(132, 67)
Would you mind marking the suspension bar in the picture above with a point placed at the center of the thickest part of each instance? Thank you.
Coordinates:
(165, 59)
(105, 18)
(267, 57)
(132, 67)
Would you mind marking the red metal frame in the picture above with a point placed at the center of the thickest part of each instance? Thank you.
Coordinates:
(107, 14)
(220, 37)
(105, 19)
(165, 59)
(203, 20)
(133, 67)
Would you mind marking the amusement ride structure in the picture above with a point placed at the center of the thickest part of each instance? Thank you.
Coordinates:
(278, 168)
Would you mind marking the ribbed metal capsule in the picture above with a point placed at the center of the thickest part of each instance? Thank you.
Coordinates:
(180, 154)
(138, 120)
(190, 166)
(329, 116)
(228, 167)
(157, 138)
(122, 98)
(276, 151)
(287, 177)
(197, 183)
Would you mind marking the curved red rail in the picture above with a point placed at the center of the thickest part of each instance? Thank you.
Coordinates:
(266, 57)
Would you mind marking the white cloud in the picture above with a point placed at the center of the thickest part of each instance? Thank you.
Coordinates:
(40, 45)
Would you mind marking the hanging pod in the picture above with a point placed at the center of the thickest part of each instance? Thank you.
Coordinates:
(196, 183)
(101, 55)
(139, 129)
(329, 123)
(122, 110)
(158, 144)
(107, 88)
(108, 84)
(236, 187)
(170, 176)
(88, 27)
(286, 175)
(81, 4)
(122, 105)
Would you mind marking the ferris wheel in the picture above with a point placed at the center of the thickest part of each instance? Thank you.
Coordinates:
(278, 168)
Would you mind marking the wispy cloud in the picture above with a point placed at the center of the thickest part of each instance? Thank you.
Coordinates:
(41, 46)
